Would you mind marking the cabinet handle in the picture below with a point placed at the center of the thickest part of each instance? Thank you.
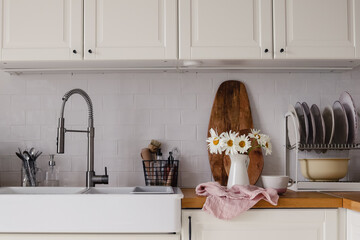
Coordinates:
(266, 50)
(189, 227)
(74, 51)
(282, 50)
(89, 51)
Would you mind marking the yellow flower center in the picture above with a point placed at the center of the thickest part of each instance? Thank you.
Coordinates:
(242, 144)
(230, 143)
(216, 141)
(267, 145)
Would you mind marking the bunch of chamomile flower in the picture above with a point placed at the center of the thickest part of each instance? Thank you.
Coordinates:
(231, 143)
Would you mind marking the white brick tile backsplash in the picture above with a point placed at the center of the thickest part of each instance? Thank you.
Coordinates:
(72, 179)
(180, 132)
(118, 132)
(164, 117)
(5, 163)
(5, 101)
(205, 101)
(149, 101)
(195, 116)
(14, 117)
(192, 179)
(12, 84)
(138, 116)
(187, 101)
(201, 131)
(51, 102)
(146, 132)
(134, 86)
(130, 109)
(103, 86)
(26, 102)
(165, 86)
(117, 164)
(25, 133)
(196, 85)
(47, 117)
(116, 102)
(5, 132)
(70, 82)
(10, 179)
(41, 86)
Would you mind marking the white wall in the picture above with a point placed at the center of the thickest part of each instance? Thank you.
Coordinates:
(131, 109)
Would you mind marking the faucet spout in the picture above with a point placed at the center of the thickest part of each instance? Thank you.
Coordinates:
(91, 177)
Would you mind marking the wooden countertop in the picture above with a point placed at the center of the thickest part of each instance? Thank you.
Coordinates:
(351, 200)
(290, 199)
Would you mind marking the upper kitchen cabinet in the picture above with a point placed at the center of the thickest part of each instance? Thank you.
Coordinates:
(231, 29)
(130, 29)
(316, 29)
(41, 29)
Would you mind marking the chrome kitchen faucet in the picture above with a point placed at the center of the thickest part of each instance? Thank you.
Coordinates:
(91, 177)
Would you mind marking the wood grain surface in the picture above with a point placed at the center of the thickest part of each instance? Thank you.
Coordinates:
(290, 199)
(231, 111)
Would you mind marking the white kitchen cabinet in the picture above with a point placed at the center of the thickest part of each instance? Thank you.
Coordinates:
(316, 29)
(232, 29)
(41, 29)
(130, 29)
(353, 225)
(298, 29)
(90, 236)
(271, 224)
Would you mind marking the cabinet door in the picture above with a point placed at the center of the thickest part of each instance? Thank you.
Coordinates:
(353, 226)
(260, 224)
(130, 29)
(41, 29)
(316, 29)
(231, 29)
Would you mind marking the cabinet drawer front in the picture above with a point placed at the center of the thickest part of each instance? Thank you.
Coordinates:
(256, 224)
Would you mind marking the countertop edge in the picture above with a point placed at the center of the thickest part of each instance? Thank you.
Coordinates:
(290, 200)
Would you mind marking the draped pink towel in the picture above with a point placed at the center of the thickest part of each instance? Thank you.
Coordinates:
(226, 203)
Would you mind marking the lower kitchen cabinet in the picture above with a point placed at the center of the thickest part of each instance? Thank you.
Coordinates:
(90, 236)
(353, 225)
(270, 224)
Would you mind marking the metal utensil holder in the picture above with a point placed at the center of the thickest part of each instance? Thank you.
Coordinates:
(161, 172)
(312, 185)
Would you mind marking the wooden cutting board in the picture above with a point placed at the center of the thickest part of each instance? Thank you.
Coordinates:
(231, 111)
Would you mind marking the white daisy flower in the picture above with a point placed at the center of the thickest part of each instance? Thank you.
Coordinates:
(228, 142)
(254, 134)
(214, 142)
(266, 144)
(242, 143)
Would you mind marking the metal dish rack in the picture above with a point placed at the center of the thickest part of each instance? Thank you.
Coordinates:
(307, 185)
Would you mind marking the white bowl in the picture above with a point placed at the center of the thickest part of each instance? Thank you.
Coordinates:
(324, 169)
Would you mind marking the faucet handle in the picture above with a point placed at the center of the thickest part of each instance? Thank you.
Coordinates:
(106, 171)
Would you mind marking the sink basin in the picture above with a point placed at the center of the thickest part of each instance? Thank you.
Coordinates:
(42, 190)
(132, 190)
(96, 210)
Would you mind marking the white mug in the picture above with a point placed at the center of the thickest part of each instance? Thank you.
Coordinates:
(279, 183)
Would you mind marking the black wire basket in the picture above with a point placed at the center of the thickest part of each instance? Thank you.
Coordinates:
(161, 172)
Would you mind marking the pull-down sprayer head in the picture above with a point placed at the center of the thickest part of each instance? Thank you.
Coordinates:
(61, 124)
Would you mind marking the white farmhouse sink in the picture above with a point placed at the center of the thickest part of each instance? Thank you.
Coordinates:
(133, 190)
(97, 210)
(42, 190)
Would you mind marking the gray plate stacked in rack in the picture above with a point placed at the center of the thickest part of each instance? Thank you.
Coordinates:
(335, 128)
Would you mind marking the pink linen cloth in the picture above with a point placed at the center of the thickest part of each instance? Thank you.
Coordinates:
(226, 203)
